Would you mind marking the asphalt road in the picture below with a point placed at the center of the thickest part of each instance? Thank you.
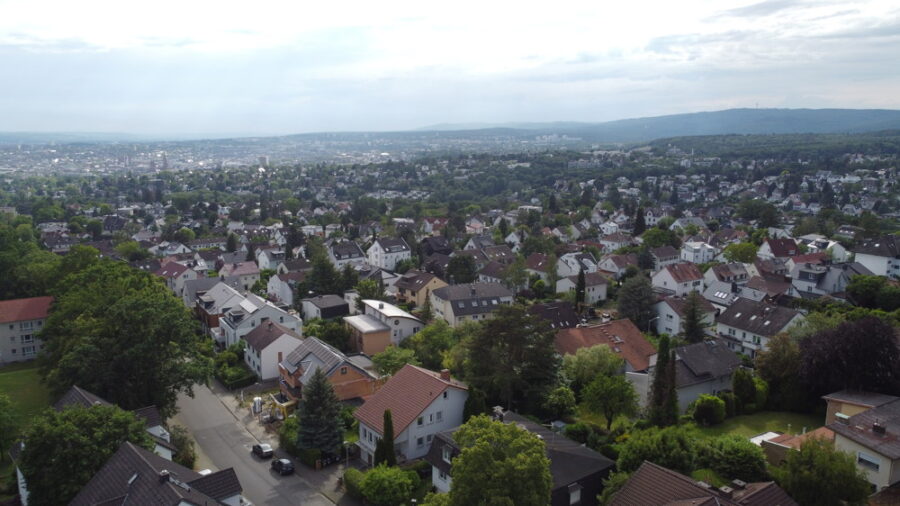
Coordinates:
(227, 444)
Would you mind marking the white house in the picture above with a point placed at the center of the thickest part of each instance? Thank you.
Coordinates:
(267, 345)
(747, 325)
(270, 258)
(422, 404)
(594, 286)
(386, 252)
(21, 321)
(175, 276)
(345, 252)
(880, 255)
(571, 264)
(697, 252)
(670, 315)
(281, 287)
(251, 312)
(473, 302)
(401, 323)
(680, 279)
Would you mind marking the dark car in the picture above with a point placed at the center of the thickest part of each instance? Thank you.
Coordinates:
(283, 466)
(262, 451)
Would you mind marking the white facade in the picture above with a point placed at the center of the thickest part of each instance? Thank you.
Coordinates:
(879, 265)
(697, 252)
(670, 322)
(444, 413)
(387, 259)
(401, 323)
(749, 343)
(265, 362)
(663, 279)
(18, 341)
(880, 470)
(592, 294)
(280, 290)
(250, 313)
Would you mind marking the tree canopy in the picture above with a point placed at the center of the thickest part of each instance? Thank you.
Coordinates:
(499, 464)
(821, 475)
(121, 334)
(636, 300)
(320, 416)
(64, 449)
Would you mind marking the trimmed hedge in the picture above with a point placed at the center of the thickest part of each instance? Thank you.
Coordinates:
(309, 456)
(232, 381)
(353, 481)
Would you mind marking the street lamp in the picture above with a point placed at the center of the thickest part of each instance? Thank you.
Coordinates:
(649, 323)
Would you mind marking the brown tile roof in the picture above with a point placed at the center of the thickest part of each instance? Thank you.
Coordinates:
(783, 247)
(537, 262)
(621, 335)
(18, 310)
(684, 272)
(678, 303)
(653, 485)
(861, 429)
(407, 393)
(267, 333)
(414, 280)
(171, 270)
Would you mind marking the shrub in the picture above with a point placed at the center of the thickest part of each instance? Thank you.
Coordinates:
(762, 392)
(730, 403)
(353, 482)
(733, 457)
(287, 434)
(309, 456)
(709, 410)
(579, 432)
(347, 418)
(185, 453)
(387, 486)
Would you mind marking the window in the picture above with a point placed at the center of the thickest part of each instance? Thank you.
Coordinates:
(431, 418)
(420, 442)
(574, 494)
(396, 322)
(445, 394)
(445, 454)
(344, 370)
(442, 475)
(12, 339)
(25, 325)
(27, 338)
(440, 414)
(868, 461)
(429, 437)
(420, 421)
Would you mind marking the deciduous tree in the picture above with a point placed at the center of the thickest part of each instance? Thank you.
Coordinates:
(392, 359)
(461, 269)
(611, 396)
(586, 364)
(821, 475)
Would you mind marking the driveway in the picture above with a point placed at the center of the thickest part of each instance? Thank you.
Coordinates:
(226, 443)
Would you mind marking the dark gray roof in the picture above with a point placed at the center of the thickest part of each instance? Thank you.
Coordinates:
(326, 301)
(569, 461)
(139, 476)
(77, 396)
(757, 317)
(493, 269)
(561, 315)
(870, 399)
(664, 252)
(884, 246)
(267, 333)
(860, 428)
(150, 415)
(414, 280)
(704, 361)
(346, 249)
(392, 244)
(473, 298)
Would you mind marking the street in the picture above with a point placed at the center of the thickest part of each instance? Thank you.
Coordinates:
(226, 443)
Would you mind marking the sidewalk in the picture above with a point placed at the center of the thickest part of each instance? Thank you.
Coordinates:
(325, 481)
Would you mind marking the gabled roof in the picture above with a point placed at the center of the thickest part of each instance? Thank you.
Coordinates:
(861, 429)
(392, 244)
(684, 272)
(134, 475)
(171, 270)
(622, 261)
(538, 262)
(267, 333)
(757, 317)
(561, 315)
(346, 249)
(17, 310)
(406, 394)
(313, 354)
(653, 485)
(620, 335)
(704, 361)
(493, 269)
(664, 252)
(678, 304)
(239, 269)
(883, 246)
(783, 247)
(414, 280)
(326, 301)
(77, 396)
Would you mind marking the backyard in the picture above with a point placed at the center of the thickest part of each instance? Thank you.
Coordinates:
(22, 384)
(766, 421)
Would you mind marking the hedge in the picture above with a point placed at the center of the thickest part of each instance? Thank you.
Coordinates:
(230, 382)
(352, 481)
(309, 456)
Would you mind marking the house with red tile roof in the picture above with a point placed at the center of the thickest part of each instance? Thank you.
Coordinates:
(20, 321)
(680, 279)
(422, 404)
(781, 249)
(622, 336)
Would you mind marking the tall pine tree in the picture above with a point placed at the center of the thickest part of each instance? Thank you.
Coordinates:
(640, 224)
(580, 287)
(320, 416)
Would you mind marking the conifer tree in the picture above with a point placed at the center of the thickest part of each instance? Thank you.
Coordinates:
(663, 398)
(384, 449)
(320, 416)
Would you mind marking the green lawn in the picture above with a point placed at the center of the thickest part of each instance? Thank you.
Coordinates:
(22, 383)
(765, 421)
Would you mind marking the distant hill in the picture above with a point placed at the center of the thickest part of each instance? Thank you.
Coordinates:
(731, 121)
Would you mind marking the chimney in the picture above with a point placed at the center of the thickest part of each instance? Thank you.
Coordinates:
(726, 491)
(498, 413)
(163, 476)
(381, 305)
(738, 484)
(445, 374)
(879, 429)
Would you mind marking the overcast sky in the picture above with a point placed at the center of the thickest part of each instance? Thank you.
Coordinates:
(263, 67)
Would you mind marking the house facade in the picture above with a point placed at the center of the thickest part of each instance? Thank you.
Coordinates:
(387, 252)
(351, 377)
(880, 255)
(595, 286)
(20, 322)
(747, 325)
(415, 287)
(472, 302)
(251, 312)
(267, 345)
(680, 279)
(423, 403)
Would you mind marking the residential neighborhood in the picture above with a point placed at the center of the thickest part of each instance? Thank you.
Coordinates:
(299, 335)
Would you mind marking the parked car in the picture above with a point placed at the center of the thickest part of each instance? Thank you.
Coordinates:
(262, 450)
(283, 466)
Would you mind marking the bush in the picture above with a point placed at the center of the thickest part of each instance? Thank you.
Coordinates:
(578, 432)
(185, 453)
(733, 457)
(353, 482)
(309, 456)
(730, 403)
(387, 486)
(347, 418)
(762, 392)
(287, 434)
(709, 410)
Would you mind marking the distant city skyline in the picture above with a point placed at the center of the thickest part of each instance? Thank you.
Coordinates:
(205, 68)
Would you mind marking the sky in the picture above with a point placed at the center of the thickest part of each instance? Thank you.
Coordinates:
(213, 68)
